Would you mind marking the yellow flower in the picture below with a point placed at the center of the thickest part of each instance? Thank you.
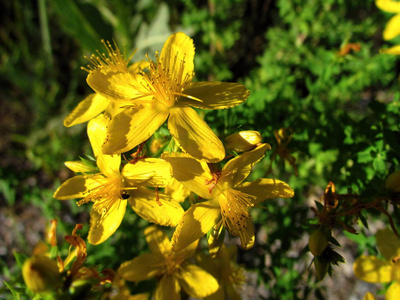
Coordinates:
(165, 91)
(231, 198)
(95, 104)
(375, 270)
(170, 268)
(110, 190)
(392, 28)
(230, 275)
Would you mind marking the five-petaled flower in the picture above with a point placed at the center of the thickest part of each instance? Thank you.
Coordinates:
(111, 189)
(230, 197)
(95, 104)
(171, 268)
(165, 91)
(375, 270)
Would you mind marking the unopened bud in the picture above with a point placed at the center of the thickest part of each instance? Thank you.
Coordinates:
(393, 182)
(317, 242)
(321, 267)
(40, 274)
(155, 145)
(243, 141)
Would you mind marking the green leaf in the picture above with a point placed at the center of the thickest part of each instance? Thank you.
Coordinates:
(393, 139)
(13, 291)
(20, 258)
(76, 23)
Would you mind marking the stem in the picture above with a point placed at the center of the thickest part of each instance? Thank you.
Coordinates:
(44, 28)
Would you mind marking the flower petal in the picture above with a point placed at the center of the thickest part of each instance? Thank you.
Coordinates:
(265, 188)
(143, 202)
(138, 66)
(168, 288)
(177, 190)
(102, 227)
(373, 269)
(87, 109)
(78, 186)
(194, 136)
(388, 6)
(196, 222)
(368, 296)
(116, 85)
(393, 291)
(196, 282)
(209, 264)
(392, 28)
(192, 173)
(218, 295)
(215, 95)
(238, 168)
(186, 252)
(247, 235)
(158, 242)
(97, 132)
(141, 268)
(178, 50)
(388, 243)
(133, 126)
(152, 172)
(395, 50)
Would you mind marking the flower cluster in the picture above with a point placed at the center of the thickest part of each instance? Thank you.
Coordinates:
(130, 104)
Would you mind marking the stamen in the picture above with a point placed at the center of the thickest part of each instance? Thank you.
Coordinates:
(235, 211)
(164, 84)
(104, 195)
(113, 61)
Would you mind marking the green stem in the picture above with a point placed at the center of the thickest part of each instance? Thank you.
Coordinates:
(44, 28)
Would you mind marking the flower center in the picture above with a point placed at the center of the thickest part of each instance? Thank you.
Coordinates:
(164, 84)
(113, 61)
(170, 264)
(104, 194)
(236, 275)
(235, 210)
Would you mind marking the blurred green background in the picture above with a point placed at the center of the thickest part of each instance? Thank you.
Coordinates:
(343, 109)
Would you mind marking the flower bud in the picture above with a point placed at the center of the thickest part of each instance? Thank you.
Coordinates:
(393, 182)
(243, 141)
(317, 242)
(321, 267)
(156, 144)
(40, 274)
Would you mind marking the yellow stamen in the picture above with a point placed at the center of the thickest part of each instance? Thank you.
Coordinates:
(164, 85)
(235, 211)
(237, 276)
(113, 61)
(107, 193)
(170, 265)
